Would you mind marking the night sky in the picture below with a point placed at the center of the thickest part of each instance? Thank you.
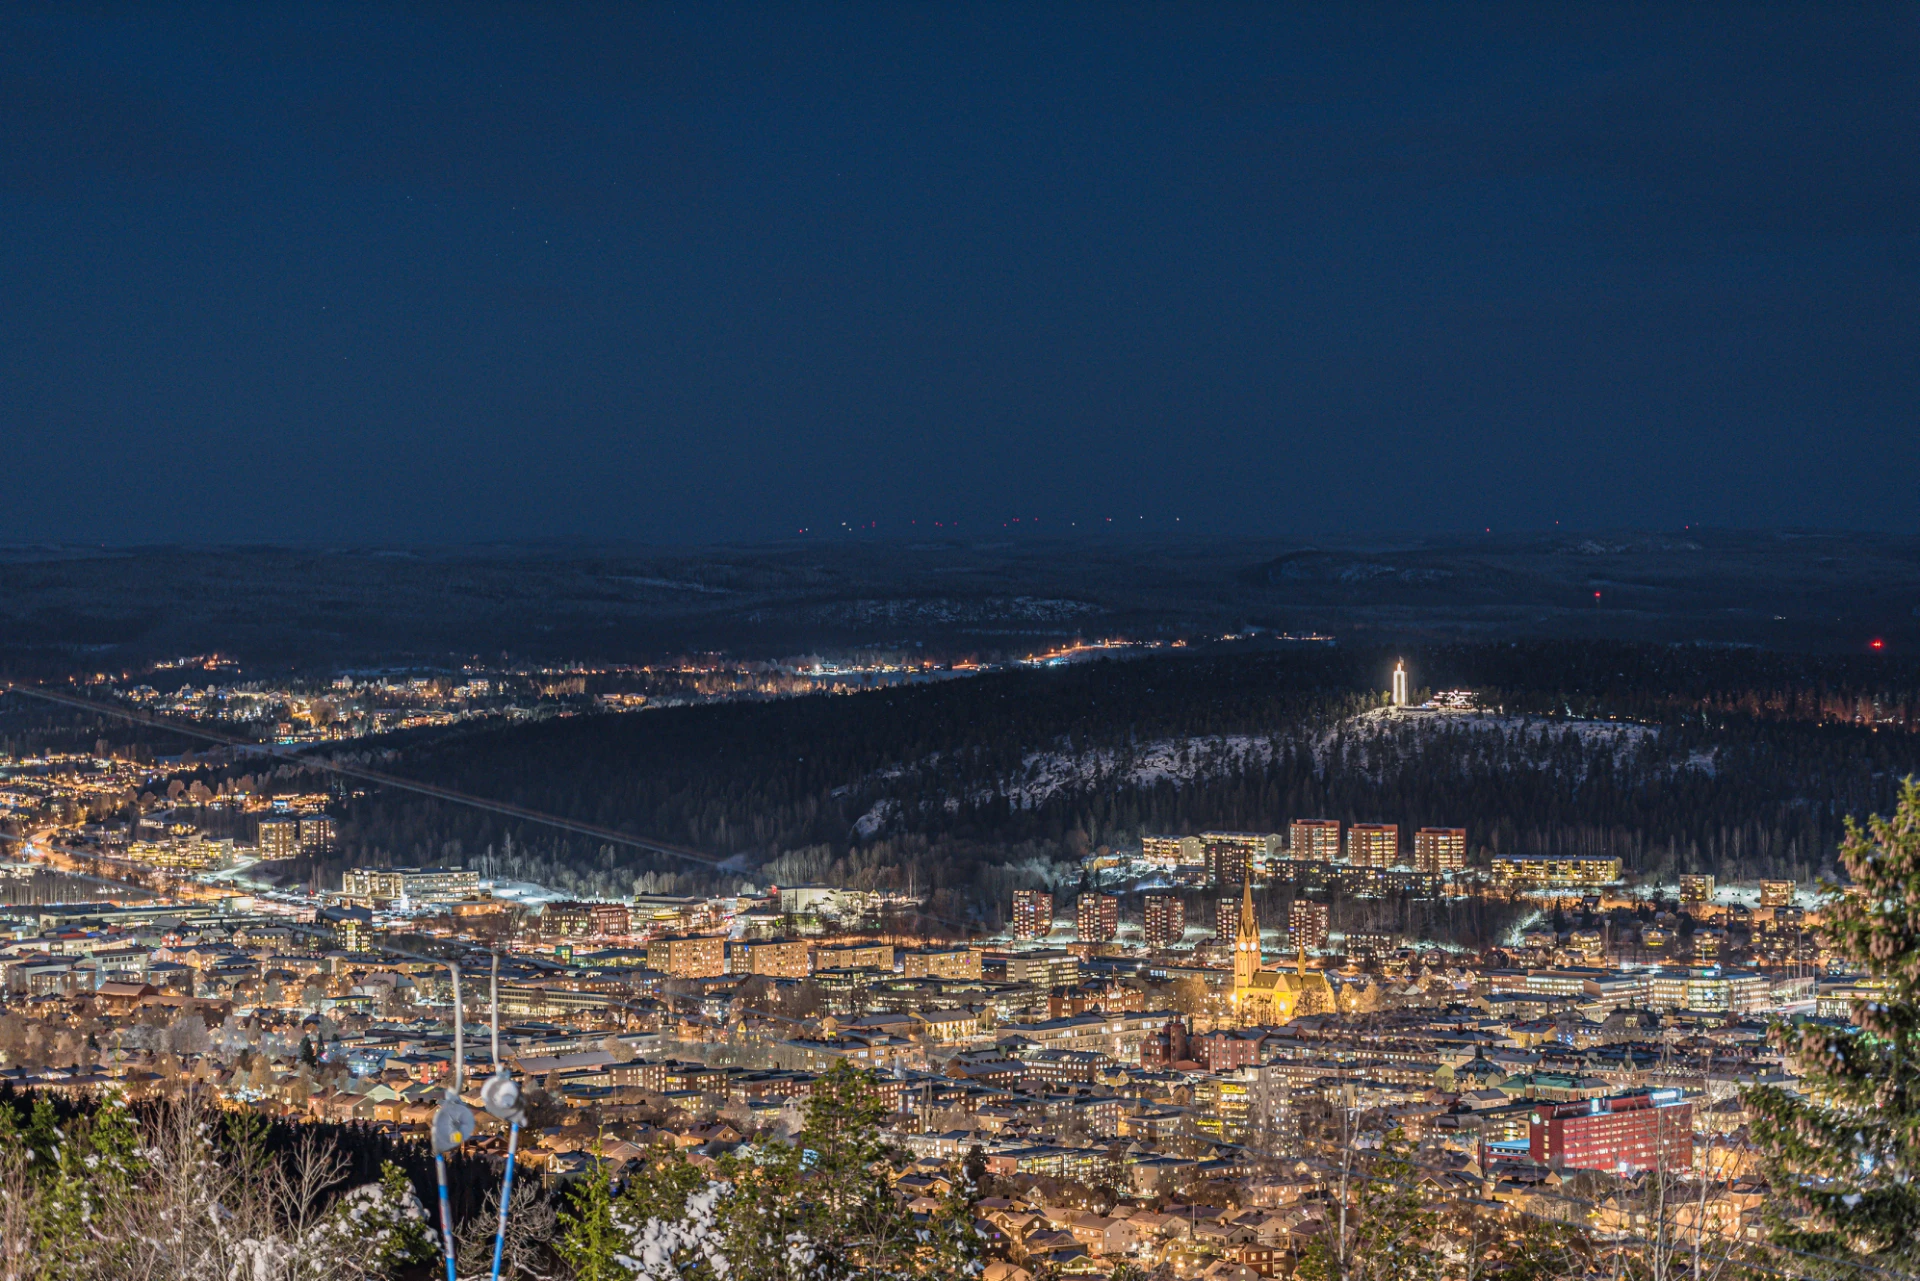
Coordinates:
(444, 274)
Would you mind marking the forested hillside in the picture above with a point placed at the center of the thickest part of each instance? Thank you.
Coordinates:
(1732, 760)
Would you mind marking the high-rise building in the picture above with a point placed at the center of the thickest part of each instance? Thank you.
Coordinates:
(1776, 894)
(1233, 857)
(1625, 1134)
(1439, 850)
(1032, 914)
(1097, 917)
(1166, 920)
(1226, 918)
(1373, 844)
(1696, 888)
(1307, 923)
(1314, 839)
(316, 834)
(1400, 683)
(279, 838)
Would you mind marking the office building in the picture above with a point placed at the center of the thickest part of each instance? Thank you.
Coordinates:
(1626, 1134)
(1047, 969)
(1374, 845)
(1166, 921)
(1314, 840)
(279, 838)
(1709, 988)
(1032, 914)
(1097, 917)
(416, 884)
(1439, 850)
(1307, 923)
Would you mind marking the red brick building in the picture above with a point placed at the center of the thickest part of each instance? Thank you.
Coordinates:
(1625, 1134)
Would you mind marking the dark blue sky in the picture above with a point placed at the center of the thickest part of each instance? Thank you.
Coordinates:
(406, 273)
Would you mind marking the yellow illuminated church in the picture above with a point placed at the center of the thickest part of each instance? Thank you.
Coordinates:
(1261, 995)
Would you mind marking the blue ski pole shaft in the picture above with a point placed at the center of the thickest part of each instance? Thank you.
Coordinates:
(446, 1212)
(506, 1199)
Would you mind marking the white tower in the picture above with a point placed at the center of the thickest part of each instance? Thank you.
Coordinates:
(1400, 683)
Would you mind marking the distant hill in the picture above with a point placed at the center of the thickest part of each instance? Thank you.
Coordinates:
(67, 609)
(1740, 761)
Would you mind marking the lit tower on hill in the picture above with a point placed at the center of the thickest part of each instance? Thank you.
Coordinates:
(1400, 683)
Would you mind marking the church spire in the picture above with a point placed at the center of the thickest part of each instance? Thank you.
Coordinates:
(1246, 940)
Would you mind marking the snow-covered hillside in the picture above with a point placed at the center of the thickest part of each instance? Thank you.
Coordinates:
(1372, 744)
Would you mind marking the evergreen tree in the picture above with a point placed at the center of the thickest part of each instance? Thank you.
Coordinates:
(381, 1225)
(590, 1240)
(1843, 1154)
(954, 1247)
(660, 1190)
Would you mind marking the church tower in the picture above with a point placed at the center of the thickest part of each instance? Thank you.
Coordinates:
(1246, 943)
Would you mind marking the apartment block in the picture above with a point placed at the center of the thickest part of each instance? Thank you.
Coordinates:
(1554, 871)
(777, 958)
(940, 963)
(1234, 857)
(1307, 923)
(1696, 888)
(1032, 914)
(1439, 850)
(317, 835)
(1374, 845)
(1314, 840)
(279, 838)
(1172, 851)
(1166, 920)
(855, 956)
(697, 956)
(1096, 917)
